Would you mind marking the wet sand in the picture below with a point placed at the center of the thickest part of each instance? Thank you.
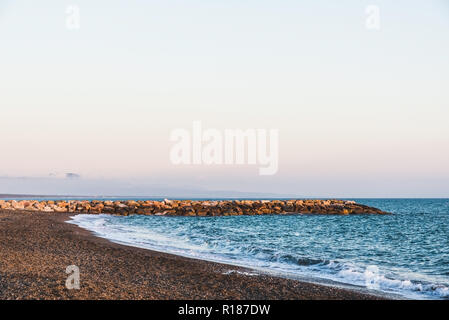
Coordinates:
(36, 248)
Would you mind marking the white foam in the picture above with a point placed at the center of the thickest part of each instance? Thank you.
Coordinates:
(377, 280)
(245, 273)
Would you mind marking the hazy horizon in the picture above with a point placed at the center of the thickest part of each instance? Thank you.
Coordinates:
(360, 113)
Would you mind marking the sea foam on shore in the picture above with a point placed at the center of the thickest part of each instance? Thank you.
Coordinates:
(193, 207)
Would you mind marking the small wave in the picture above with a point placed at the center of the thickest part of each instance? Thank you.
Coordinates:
(372, 278)
(301, 261)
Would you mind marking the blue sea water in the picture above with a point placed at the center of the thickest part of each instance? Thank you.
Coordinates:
(406, 253)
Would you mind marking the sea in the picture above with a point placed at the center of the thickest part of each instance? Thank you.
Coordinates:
(405, 254)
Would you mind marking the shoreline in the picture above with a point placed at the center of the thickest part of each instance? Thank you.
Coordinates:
(37, 247)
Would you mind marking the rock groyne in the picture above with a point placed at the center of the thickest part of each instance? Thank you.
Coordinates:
(194, 207)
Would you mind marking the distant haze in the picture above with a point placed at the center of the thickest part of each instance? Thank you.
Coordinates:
(360, 113)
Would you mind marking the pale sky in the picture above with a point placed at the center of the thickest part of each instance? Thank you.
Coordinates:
(360, 113)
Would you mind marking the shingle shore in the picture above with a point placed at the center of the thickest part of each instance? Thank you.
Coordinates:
(194, 208)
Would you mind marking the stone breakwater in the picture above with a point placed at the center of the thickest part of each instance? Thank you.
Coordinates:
(194, 208)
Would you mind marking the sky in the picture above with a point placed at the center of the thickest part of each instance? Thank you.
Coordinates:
(361, 112)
